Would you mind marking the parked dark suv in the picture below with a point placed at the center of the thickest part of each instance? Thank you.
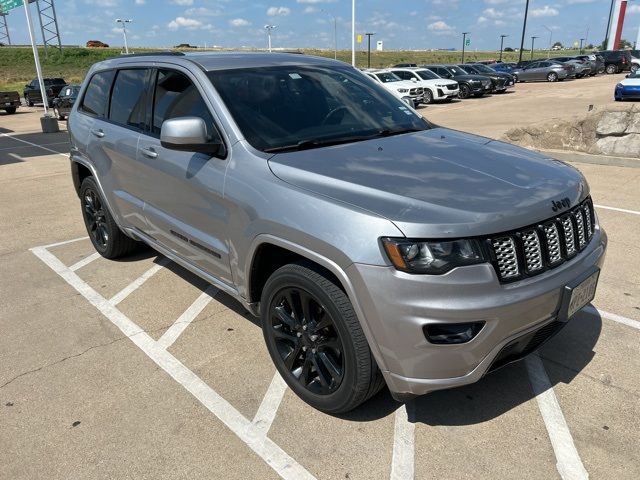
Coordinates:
(476, 85)
(616, 61)
(32, 90)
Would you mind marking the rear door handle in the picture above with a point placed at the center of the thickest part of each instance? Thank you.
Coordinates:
(98, 133)
(149, 152)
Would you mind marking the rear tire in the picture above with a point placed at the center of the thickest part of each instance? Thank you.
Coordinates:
(611, 69)
(105, 235)
(552, 77)
(315, 339)
(57, 113)
(10, 110)
(28, 101)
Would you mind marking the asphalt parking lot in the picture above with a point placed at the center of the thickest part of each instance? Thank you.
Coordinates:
(138, 369)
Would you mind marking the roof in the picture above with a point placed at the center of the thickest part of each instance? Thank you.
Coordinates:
(228, 60)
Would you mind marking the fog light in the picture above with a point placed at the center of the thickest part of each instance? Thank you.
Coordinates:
(451, 333)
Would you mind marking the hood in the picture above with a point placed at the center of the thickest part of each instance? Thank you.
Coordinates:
(435, 82)
(437, 183)
(631, 82)
(471, 76)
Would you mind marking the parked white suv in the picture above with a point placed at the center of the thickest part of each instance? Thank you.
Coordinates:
(435, 88)
(408, 92)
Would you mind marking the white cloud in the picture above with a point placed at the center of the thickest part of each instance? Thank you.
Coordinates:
(440, 28)
(140, 2)
(183, 3)
(315, 1)
(278, 11)
(239, 22)
(182, 22)
(493, 13)
(482, 20)
(545, 11)
(202, 12)
(633, 9)
(311, 9)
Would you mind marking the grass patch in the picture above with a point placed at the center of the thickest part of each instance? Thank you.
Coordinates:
(17, 67)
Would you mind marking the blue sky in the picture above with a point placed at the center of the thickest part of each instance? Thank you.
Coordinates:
(416, 24)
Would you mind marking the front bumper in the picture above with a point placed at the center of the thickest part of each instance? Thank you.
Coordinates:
(443, 93)
(397, 305)
(628, 93)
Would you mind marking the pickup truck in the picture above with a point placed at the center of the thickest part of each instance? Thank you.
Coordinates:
(32, 90)
(9, 101)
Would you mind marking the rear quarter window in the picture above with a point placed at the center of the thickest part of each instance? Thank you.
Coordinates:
(96, 97)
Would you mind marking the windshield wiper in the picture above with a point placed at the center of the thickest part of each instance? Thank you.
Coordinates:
(317, 143)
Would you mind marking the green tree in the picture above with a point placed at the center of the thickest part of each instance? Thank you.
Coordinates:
(557, 44)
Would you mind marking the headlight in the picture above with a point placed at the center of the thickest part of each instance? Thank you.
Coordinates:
(619, 86)
(403, 90)
(475, 82)
(432, 257)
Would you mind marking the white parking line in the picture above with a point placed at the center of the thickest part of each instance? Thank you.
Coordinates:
(569, 464)
(137, 283)
(65, 155)
(270, 404)
(66, 242)
(623, 210)
(402, 462)
(612, 316)
(84, 261)
(283, 464)
(179, 326)
(26, 146)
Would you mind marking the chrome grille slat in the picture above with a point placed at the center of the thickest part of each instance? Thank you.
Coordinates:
(505, 250)
(534, 249)
(569, 238)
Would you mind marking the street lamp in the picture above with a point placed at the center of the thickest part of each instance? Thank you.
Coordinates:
(533, 41)
(502, 37)
(123, 22)
(464, 39)
(581, 42)
(268, 28)
(353, 33)
(524, 30)
(369, 35)
(335, 34)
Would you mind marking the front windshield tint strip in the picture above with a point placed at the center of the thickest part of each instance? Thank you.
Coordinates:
(285, 107)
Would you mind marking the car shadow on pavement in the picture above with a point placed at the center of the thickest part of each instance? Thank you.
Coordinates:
(570, 351)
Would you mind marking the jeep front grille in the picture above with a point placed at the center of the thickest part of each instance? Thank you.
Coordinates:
(537, 248)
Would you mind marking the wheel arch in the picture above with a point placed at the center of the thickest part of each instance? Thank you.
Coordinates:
(261, 266)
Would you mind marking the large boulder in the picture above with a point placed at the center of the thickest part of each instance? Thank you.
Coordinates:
(613, 123)
(634, 123)
(625, 146)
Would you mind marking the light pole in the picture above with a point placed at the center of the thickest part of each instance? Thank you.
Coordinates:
(550, 39)
(353, 33)
(581, 42)
(533, 41)
(524, 29)
(606, 36)
(369, 35)
(123, 22)
(269, 28)
(335, 34)
(502, 37)
(464, 39)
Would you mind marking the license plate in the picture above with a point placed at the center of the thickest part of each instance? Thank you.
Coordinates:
(582, 294)
(8, 104)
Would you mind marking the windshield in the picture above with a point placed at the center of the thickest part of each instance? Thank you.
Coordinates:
(427, 75)
(456, 70)
(54, 81)
(388, 77)
(483, 68)
(296, 107)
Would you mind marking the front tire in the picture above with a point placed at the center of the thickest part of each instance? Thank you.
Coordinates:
(315, 339)
(105, 235)
(28, 101)
(552, 77)
(57, 113)
(10, 110)
(428, 97)
(611, 69)
(465, 92)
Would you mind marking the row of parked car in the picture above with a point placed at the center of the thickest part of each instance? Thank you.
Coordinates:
(424, 84)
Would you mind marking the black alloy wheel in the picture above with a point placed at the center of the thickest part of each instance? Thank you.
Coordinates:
(465, 91)
(104, 233)
(306, 338)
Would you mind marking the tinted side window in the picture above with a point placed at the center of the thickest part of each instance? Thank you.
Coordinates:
(128, 97)
(176, 96)
(97, 94)
(403, 75)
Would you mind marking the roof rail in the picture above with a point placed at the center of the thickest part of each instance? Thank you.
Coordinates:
(154, 54)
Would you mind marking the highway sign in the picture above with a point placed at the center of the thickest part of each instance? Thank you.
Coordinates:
(6, 5)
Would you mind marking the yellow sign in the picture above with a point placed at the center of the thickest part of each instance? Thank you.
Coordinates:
(359, 38)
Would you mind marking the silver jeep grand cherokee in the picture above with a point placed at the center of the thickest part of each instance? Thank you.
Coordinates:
(374, 246)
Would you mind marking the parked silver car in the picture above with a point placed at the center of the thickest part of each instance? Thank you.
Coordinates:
(374, 246)
(543, 70)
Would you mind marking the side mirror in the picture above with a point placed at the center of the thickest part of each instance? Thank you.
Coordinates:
(189, 134)
(414, 79)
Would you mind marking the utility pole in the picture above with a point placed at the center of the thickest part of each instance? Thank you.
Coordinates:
(464, 40)
(369, 35)
(123, 22)
(353, 33)
(502, 37)
(581, 42)
(524, 29)
(268, 28)
(533, 40)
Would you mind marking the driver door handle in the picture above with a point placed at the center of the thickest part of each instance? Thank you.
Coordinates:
(98, 133)
(149, 152)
